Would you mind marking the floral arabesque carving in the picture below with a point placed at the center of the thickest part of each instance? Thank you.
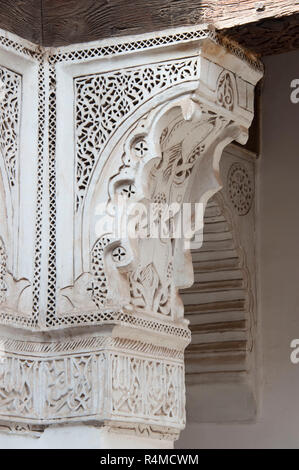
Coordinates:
(103, 100)
(73, 385)
(225, 92)
(10, 109)
(148, 292)
(240, 188)
(147, 388)
(156, 76)
(147, 129)
(152, 285)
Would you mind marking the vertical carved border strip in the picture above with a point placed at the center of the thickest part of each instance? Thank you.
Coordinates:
(51, 304)
(32, 52)
(39, 198)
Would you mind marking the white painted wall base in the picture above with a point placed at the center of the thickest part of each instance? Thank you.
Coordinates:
(227, 402)
(81, 437)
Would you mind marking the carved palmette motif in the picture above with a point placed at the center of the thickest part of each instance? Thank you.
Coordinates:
(148, 292)
(225, 92)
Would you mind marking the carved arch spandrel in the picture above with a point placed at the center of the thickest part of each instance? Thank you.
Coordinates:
(163, 150)
(143, 161)
(11, 289)
(15, 298)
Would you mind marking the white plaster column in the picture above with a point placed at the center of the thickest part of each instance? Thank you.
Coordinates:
(92, 326)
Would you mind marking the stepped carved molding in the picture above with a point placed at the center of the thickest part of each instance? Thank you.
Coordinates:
(221, 303)
(93, 325)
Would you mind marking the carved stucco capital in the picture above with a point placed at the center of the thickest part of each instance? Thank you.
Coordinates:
(95, 327)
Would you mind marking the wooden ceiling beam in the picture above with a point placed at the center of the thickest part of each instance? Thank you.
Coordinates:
(253, 23)
(22, 17)
(65, 22)
(229, 14)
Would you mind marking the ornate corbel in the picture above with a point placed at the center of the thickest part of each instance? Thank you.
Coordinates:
(126, 136)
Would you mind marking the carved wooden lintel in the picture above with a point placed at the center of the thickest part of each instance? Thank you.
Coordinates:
(257, 24)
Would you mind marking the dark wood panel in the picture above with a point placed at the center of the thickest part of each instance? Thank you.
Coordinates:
(267, 37)
(22, 17)
(70, 21)
(234, 13)
(85, 20)
(264, 26)
(253, 143)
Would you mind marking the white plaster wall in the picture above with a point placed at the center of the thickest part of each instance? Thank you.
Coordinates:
(81, 437)
(277, 423)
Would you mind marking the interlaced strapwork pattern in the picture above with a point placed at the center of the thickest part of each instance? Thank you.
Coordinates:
(51, 307)
(104, 100)
(10, 107)
(132, 46)
(39, 207)
(156, 41)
